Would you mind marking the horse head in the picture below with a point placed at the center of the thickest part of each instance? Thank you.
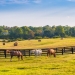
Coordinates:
(8, 51)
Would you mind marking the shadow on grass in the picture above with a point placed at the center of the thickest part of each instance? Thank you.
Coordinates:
(52, 68)
(22, 68)
(5, 70)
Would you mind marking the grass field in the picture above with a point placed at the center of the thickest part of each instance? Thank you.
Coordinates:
(45, 43)
(61, 65)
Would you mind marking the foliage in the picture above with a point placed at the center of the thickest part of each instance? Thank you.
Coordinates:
(56, 37)
(38, 37)
(25, 32)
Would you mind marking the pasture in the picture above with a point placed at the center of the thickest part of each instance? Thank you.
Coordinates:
(43, 65)
(45, 43)
(61, 65)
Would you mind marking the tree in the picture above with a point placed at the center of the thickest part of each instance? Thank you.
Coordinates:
(12, 32)
(26, 32)
(48, 31)
(59, 31)
(47, 27)
(4, 34)
(67, 30)
(19, 32)
(31, 34)
(72, 31)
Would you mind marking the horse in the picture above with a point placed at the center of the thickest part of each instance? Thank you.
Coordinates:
(15, 53)
(51, 52)
(37, 52)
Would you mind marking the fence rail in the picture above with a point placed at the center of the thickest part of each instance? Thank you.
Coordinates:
(26, 52)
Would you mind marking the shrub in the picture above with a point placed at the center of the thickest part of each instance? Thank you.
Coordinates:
(38, 37)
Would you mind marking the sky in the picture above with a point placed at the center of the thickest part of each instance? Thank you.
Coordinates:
(37, 13)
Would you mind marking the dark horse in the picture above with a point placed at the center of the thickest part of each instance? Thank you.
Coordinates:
(51, 52)
(15, 53)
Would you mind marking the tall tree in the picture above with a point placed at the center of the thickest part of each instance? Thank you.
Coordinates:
(19, 32)
(26, 32)
(59, 31)
(12, 34)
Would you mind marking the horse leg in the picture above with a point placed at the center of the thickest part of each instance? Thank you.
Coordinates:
(35, 55)
(21, 57)
(48, 54)
(54, 55)
(18, 57)
(40, 54)
(11, 58)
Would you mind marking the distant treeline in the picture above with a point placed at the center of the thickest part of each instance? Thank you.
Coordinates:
(31, 32)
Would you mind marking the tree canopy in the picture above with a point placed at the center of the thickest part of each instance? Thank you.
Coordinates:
(26, 32)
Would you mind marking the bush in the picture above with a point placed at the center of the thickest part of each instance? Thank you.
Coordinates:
(56, 37)
(38, 37)
(19, 39)
(46, 37)
(3, 40)
(11, 40)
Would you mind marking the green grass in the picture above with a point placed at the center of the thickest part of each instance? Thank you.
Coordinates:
(61, 65)
(45, 43)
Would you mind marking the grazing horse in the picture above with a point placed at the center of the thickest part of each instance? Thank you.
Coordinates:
(51, 52)
(15, 53)
(37, 52)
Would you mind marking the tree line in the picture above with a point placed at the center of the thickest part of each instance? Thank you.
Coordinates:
(31, 32)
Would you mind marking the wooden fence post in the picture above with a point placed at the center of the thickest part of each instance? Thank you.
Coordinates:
(24, 53)
(5, 53)
(72, 50)
(56, 49)
(62, 51)
(29, 52)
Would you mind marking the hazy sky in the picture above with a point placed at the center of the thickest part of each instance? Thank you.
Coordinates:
(37, 12)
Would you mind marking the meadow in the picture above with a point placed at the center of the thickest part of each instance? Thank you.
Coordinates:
(33, 43)
(43, 65)
(61, 65)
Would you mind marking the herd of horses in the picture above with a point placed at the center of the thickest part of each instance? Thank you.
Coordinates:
(37, 52)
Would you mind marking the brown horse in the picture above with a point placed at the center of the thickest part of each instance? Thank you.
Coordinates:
(15, 53)
(51, 52)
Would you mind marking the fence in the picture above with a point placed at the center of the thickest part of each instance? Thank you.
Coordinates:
(2, 53)
(26, 52)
